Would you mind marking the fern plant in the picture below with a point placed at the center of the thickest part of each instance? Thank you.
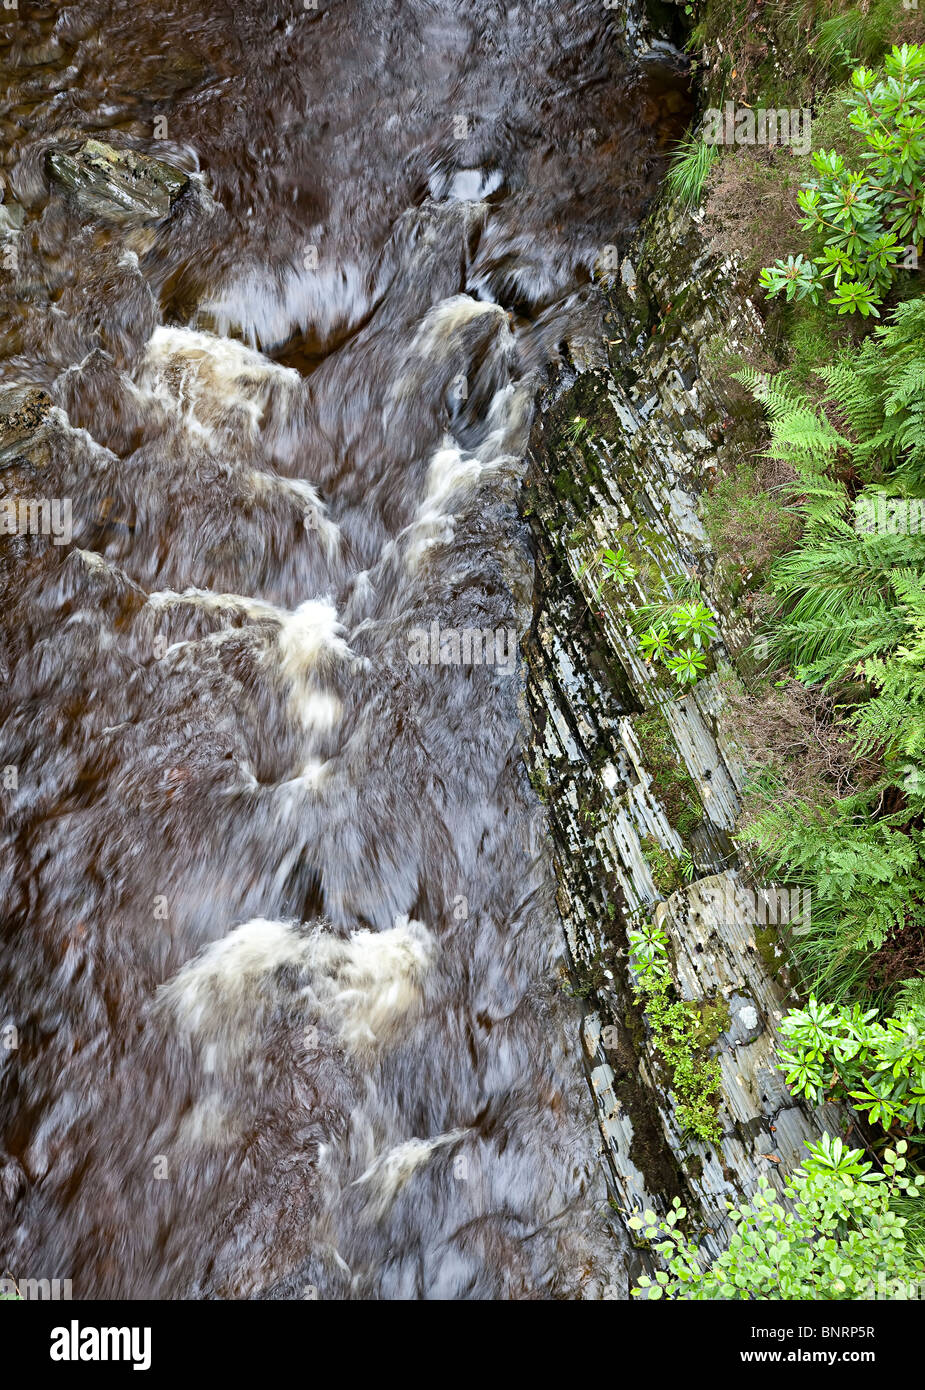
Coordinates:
(894, 719)
(846, 594)
(879, 388)
(850, 613)
(868, 872)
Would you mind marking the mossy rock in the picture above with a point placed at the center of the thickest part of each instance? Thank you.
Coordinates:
(665, 867)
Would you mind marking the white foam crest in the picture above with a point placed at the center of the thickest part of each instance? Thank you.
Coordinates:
(316, 518)
(436, 342)
(208, 1124)
(309, 632)
(389, 1173)
(319, 710)
(452, 474)
(214, 602)
(371, 982)
(466, 185)
(316, 773)
(366, 986)
(308, 638)
(508, 420)
(435, 336)
(93, 560)
(102, 457)
(212, 994)
(212, 384)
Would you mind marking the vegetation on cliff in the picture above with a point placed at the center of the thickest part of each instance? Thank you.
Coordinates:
(822, 529)
(843, 1234)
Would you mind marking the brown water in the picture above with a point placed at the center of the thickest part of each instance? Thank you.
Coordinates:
(280, 945)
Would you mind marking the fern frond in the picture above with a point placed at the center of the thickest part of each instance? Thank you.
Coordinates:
(910, 996)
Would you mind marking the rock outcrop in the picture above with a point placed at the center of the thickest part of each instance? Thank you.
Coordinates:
(117, 185)
(643, 783)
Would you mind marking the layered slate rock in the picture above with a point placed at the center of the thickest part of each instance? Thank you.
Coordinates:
(122, 186)
(642, 784)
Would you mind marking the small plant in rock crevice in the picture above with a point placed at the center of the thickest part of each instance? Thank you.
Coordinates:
(576, 429)
(667, 869)
(679, 641)
(678, 1032)
(608, 566)
(690, 164)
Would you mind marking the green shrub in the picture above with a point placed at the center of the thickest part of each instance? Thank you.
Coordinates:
(814, 339)
(666, 868)
(847, 1053)
(747, 525)
(863, 221)
(837, 1234)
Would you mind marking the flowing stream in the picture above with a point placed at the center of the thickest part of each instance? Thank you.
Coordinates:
(281, 962)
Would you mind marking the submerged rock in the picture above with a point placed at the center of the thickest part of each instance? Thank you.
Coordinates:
(118, 185)
(12, 218)
(23, 413)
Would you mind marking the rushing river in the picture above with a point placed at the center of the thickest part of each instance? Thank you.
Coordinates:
(281, 962)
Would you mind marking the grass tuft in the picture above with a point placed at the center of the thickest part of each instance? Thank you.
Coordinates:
(690, 164)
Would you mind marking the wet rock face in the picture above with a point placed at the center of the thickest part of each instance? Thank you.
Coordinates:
(117, 185)
(642, 782)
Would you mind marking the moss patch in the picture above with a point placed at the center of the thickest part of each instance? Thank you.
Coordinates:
(768, 942)
(671, 781)
(664, 866)
(715, 1018)
(748, 525)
